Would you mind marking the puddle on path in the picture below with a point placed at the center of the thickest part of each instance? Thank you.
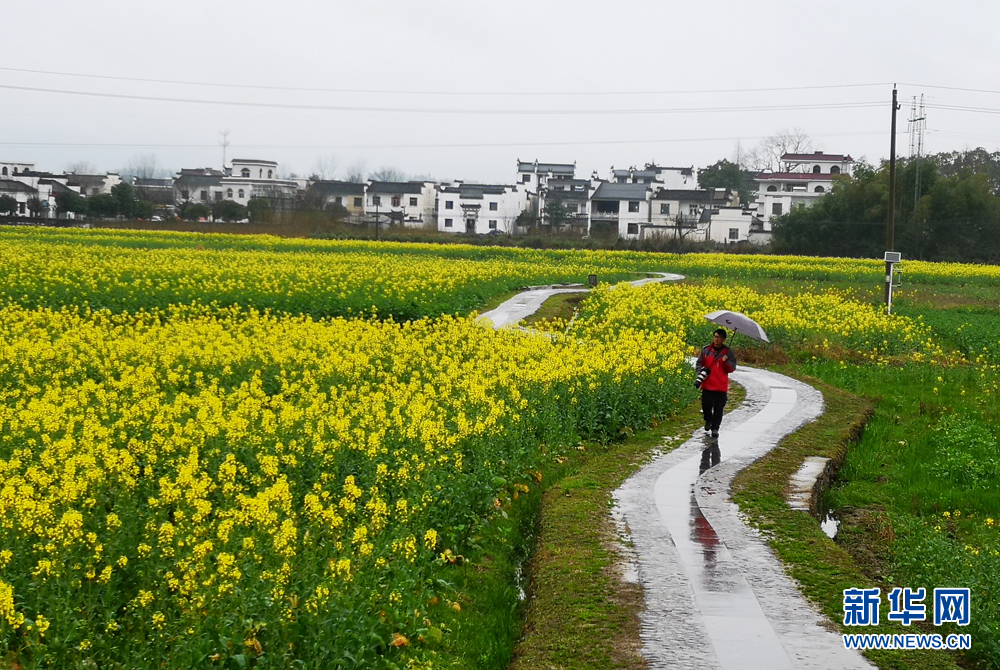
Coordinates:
(830, 524)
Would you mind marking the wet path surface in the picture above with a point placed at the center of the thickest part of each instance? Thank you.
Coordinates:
(526, 303)
(715, 595)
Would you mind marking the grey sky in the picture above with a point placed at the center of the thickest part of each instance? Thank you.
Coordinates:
(475, 47)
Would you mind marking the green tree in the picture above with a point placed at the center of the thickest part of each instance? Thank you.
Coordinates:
(144, 209)
(8, 205)
(102, 205)
(35, 207)
(260, 210)
(229, 210)
(948, 218)
(71, 202)
(724, 174)
(125, 195)
(194, 211)
(556, 213)
(337, 211)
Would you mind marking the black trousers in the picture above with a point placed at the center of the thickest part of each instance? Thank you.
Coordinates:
(712, 404)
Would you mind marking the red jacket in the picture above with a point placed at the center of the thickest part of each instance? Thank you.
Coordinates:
(718, 369)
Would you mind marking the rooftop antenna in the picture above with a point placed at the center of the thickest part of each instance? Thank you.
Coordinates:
(225, 143)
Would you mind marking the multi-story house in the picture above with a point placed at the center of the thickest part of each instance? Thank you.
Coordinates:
(407, 203)
(667, 177)
(248, 179)
(626, 207)
(803, 179)
(93, 184)
(479, 208)
(349, 195)
(198, 185)
(680, 212)
(541, 179)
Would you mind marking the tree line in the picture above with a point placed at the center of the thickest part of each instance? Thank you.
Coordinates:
(947, 209)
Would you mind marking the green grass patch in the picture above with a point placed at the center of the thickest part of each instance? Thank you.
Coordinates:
(824, 568)
(559, 308)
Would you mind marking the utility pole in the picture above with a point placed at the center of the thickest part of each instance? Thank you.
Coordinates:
(225, 143)
(890, 257)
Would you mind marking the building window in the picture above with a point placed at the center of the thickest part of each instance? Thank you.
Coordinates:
(20, 207)
(376, 200)
(493, 207)
(493, 224)
(218, 196)
(665, 208)
(357, 202)
(242, 194)
(449, 204)
(734, 233)
(413, 202)
(338, 200)
(5, 171)
(633, 206)
(571, 208)
(525, 178)
(229, 193)
(817, 169)
(776, 209)
(184, 195)
(269, 173)
(448, 223)
(772, 188)
(204, 196)
(835, 169)
(819, 189)
(396, 201)
(260, 173)
(245, 173)
(633, 229)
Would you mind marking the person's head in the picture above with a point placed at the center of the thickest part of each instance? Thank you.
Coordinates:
(719, 337)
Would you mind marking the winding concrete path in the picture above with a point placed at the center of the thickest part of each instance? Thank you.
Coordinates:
(716, 597)
(526, 303)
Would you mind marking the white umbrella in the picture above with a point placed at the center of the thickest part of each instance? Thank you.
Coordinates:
(738, 323)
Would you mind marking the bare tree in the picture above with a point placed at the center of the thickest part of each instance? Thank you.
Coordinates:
(143, 166)
(325, 167)
(356, 173)
(388, 174)
(81, 167)
(766, 156)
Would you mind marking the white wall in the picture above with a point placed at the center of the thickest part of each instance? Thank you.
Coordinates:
(727, 220)
(509, 205)
(626, 217)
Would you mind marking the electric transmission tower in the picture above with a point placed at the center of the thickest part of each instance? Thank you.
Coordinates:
(916, 125)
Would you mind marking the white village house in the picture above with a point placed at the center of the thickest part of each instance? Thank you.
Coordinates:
(408, 203)
(804, 178)
(479, 208)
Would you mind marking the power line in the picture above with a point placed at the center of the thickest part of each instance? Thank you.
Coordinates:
(262, 87)
(445, 110)
(963, 108)
(954, 88)
(470, 145)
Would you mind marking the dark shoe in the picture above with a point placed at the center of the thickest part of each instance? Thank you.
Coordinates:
(708, 428)
(715, 433)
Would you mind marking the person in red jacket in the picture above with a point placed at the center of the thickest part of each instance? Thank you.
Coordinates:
(714, 365)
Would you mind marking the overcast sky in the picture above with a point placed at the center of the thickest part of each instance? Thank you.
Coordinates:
(469, 60)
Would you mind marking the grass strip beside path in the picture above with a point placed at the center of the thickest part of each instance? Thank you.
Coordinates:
(581, 614)
(822, 568)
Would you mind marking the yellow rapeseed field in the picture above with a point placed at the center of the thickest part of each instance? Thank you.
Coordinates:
(215, 453)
